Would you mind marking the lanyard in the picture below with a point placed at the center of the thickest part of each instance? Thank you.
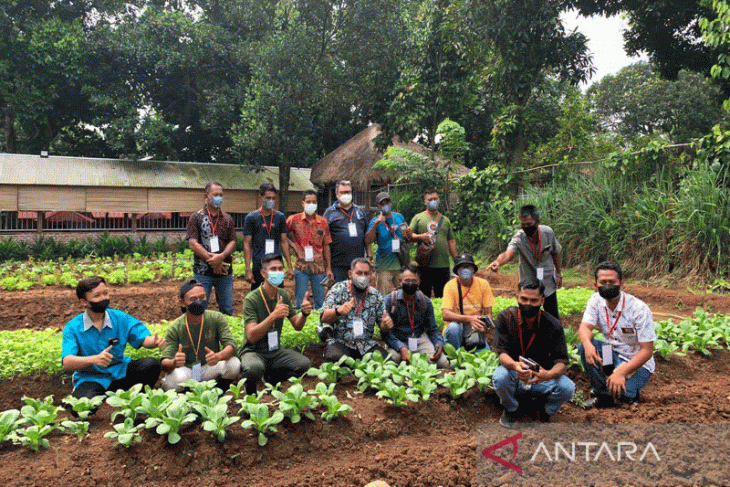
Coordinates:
(210, 219)
(538, 252)
(519, 327)
(411, 318)
(358, 307)
(348, 215)
(608, 321)
(271, 223)
(467, 289)
(200, 336)
(263, 298)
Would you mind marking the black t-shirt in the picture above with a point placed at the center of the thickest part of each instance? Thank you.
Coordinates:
(261, 231)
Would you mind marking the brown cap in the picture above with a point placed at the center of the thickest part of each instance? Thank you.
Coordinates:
(381, 196)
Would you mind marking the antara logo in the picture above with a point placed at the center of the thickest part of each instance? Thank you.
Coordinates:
(512, 440)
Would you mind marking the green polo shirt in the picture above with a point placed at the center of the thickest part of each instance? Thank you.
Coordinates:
(255, 311)
(421, 223)
(216, 336)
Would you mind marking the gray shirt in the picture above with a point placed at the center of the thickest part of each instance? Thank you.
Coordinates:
(537, 256)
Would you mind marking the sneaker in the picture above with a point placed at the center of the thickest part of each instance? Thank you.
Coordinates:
(600, 401)
(508, 419)
(543, 416)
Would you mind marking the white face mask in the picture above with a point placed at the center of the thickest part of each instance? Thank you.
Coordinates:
(346, 198)
(310, 208)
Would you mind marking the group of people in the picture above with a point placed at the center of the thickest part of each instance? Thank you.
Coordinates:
(334, 272)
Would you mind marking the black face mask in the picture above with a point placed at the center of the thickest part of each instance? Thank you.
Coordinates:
(609, 291)
(529, 311)
(197, 308)
(409, 289)
(99, 306)
(530, 231)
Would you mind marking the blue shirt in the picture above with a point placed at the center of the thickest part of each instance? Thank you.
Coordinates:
(343, 247)
(424, 321)
(261, 231)
(82, 339)
(385, 259)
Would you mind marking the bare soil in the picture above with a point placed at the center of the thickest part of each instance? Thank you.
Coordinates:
(422, 444)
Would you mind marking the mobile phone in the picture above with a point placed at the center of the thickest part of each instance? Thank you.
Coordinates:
(531, 364)
(487, 321)
(113, 342)
(326, 282)
(403, 226)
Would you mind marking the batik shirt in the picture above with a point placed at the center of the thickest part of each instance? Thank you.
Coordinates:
(200, 227)
(370, 310)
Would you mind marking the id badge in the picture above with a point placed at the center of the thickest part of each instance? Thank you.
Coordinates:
(540, 273)
(270, 246)
(309, 253)
(197, 372)
(395, 245)
(607, 355)
(352, 228)
(273, 341)
(215, 246)
(358, 327)
(412, 344)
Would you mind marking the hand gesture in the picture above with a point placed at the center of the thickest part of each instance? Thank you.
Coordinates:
(290, 273)
(307, 304)
(158, 342)
(345, 308)
(477, 324)
(381, 219)
(437, 354)
(104, 358)
(330, 275)
(281, 310)
(249, 276)
(387, 323)
(404, 354)
(523, 371)
(211, 358)
(494, 266)
(539, 376)
(180, 357)
(215, 260)
(592, 357)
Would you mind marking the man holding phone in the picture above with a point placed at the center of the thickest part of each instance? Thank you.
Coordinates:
(385, 229)
(533, 356)
(94, 342)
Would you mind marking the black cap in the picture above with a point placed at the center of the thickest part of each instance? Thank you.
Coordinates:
(464, 259)
(188, 285)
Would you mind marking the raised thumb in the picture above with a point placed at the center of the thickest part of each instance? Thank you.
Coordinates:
(179, 348)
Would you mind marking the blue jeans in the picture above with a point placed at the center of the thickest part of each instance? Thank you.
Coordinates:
(598, 379)
(301, 281)
(454, 333)
(340, 273)
(508, 386)
(223, 291)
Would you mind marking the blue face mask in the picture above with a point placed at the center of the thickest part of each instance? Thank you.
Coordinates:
(433, 205)
(465, 273)
(276, 278)
(216, 201)
(269, 204)
(385, 209)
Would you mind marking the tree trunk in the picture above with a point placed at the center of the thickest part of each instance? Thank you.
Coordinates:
(284, 176)
(11, 138)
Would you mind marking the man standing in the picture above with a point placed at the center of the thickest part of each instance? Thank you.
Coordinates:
(432, 227)
(347, 226)
(264, 232)
(623, 363)
(311, 241)
(264, 310)
(212, 238)
(532, 354)
(414, 325)
(200, 346)
(385, 228)
(353, 308)
(468, 300)
(539, 252)
(94, 342)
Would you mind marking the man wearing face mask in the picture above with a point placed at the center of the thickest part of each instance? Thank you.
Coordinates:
(414, 325)
(467, 306)
(621, 364)
(311, 241)
(94, 342)
(347, 226)
(386, 229)
(264, 310)
(212, 238)
(353, 308)
(539, 253)
(533, 356)
(432, 226)
(200, 346)
(264, 232)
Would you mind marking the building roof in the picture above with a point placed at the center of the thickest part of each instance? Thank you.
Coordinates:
(25, 169)
(354, 161)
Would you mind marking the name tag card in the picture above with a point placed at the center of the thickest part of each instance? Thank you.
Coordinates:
(309, 253)
(607, 355)
(273, 341)
(412, 344)
(197, 372)
(352, 228)
(215, 246)
(395, 246)
(269, 246)
(358, 327)
(540, 273)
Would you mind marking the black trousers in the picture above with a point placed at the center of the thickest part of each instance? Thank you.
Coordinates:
(434, 278)
(551, 305)
(142, 371)
(334, 351)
